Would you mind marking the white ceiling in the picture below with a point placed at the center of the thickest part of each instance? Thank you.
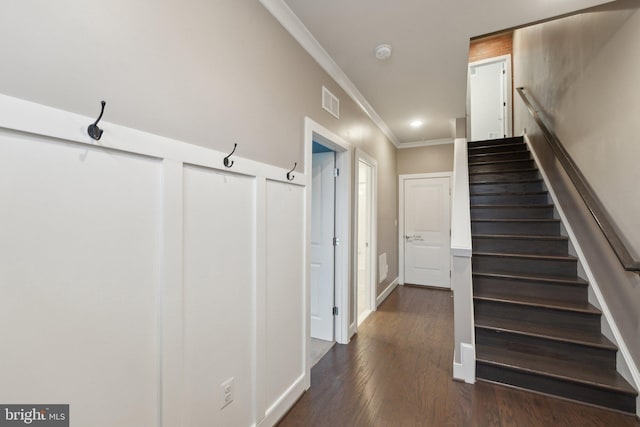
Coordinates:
(425, 78)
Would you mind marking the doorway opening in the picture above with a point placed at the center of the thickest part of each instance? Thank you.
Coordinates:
(425, 229)
(490, 98)
(328, 174)
(365, 238)
(323, 233)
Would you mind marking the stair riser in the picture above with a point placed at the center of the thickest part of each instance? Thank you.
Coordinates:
(497, 167)
(510, 199)
(528, 228)
(489, 157)
(515, 288)
(539, 316)
(514, 212)
(497, 149)
(500, 141)
(520, 246)
(506, 176)
(588, 356)
(524, 265)
(506, 187)
(555, 387)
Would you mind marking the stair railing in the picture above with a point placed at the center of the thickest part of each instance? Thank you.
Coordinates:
(464, 358)
(593, 203)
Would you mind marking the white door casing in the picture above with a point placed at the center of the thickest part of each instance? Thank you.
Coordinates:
(363, 243)
(322, 248)
(365, 268)
(344, 320)
(490, 98)
(425, 234)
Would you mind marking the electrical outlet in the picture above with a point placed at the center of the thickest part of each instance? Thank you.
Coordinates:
(226, 389)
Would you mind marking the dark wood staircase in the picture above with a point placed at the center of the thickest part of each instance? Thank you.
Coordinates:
(535, 328)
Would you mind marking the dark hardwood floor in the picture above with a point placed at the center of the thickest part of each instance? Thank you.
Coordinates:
(397, 371)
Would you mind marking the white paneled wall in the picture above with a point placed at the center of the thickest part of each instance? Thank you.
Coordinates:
(285, 364)
(219, 271)
(79, 279)
(137, 274)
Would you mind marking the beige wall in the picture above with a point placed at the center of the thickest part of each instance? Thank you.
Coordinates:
(584, 70)
(206, 72)
(434, 158)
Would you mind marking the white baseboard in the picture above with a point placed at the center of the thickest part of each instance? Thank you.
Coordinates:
(466, 369)
(284, 403)
(629, 369)
(383, 296)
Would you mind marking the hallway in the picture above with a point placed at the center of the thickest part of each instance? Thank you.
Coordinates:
(397, 372)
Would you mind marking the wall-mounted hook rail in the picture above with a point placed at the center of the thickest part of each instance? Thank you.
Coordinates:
(290, 174)
(94, 131)
(228, 163)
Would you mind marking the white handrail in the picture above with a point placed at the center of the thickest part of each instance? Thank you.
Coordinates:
(464, 360)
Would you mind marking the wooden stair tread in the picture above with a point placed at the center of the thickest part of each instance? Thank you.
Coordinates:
(498, 141)
(533, 169)
(512, 220)
(607, 379)
(523, 327)
(484, 206)
(519, 236)
(500, 153)
(528, 256)
(511, 193)
(511, 181)
(491, 162)
(533, 278)
(537, 302)
(514, 144)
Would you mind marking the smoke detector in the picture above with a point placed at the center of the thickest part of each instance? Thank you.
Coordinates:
(383, 51)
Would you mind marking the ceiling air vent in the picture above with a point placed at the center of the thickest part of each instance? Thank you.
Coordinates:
(330, 102)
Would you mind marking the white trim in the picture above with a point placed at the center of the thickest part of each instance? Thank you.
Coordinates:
(507, 60)
(343, 227)
(281, 406)
(373, 246)
(593, 283)
(363, 317)
(383, 296)
(20, 116)
(29, 117)
(466, 369)
(303, 36)
(401, 180)
(460, 209)
(172, 319)
(427, 143)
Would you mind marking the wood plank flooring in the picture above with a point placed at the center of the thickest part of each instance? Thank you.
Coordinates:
(397, 371)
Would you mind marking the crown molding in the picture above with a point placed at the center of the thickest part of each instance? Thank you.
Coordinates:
(281, 11)
(428, 143)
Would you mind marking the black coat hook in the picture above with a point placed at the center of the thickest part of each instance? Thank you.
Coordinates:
(290, 174)
(228, 163)
(94, 131)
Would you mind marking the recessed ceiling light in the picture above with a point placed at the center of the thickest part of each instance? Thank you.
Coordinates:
(416, 123)
(383, 51)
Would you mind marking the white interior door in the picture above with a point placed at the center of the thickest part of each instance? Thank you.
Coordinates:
(365, 267)
(489, 100)
(322, 249)
(427, 231)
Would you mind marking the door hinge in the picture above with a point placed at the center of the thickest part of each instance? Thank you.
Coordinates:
(504, 71)
(336, 172)
(335, 311)
(336, 241)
